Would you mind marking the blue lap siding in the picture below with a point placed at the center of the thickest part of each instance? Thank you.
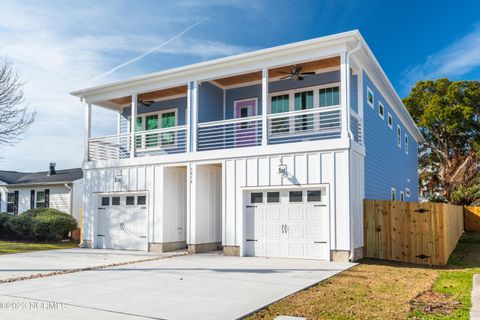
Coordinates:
(386, 164)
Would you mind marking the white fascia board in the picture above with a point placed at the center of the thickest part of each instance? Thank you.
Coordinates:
(220, 155)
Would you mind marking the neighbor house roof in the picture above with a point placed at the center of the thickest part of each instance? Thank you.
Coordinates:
(28, 178)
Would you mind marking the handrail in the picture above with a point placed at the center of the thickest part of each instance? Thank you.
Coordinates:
(302, 112)
(229, 121)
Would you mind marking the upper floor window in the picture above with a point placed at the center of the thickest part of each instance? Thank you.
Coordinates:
(406, 144)
(402, 196)
(40, 203)
(381, 110)
(329, 96)
(399, 136)
(304, 100)
(10, 201)
(390, 121)
(280, 104)
(153, 121)
(370, 97)
(407, 192)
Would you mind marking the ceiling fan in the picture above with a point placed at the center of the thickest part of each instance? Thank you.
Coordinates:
(146, 103)
(295, 73)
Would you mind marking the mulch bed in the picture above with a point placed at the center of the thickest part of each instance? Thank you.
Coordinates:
(431, 302)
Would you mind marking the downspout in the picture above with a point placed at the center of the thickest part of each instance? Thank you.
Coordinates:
(352, 250)
(71, 198)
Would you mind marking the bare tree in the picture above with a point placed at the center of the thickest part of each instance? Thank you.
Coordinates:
(15, 117)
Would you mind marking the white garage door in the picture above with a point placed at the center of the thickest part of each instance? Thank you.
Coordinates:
(288, 223)
(122, 222)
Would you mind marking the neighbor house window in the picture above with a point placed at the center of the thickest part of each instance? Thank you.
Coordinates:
(10, 202)
(370, 97)
(280, 104)
(393, 194)
(329, 96)
(40, 203)
(381, 110)
(399, 136)
(390, 121)
(406, 144)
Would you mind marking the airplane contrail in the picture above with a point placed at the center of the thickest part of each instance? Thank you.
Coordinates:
(147, 52)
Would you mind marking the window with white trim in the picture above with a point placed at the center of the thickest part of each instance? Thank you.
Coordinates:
(153, 121)
(402, 196)
(370, 97)
(10, 201)
(40, 203)
(381, 110)
(393, 194)
(407, 192)
(329, 96)
(399, 136)
(406, 143)
(390, 121)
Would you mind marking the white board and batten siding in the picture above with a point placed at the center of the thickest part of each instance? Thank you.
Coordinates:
(316, 168)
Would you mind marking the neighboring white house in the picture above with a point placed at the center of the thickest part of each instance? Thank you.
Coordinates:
(62, 190)
(266, 153)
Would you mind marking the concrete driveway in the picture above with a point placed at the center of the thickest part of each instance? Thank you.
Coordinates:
(203, 286)
(43, 262)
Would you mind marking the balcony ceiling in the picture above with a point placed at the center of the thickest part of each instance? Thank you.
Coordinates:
(276, 72)
(153, 95)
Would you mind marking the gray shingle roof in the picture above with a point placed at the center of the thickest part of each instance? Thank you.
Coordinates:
(14, 177)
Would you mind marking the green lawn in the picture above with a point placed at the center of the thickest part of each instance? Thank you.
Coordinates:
(7, 247)
(389, 290)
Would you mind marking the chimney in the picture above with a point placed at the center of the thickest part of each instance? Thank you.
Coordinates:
(51, 169)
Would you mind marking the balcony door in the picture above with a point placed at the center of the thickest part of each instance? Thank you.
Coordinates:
(246, 132)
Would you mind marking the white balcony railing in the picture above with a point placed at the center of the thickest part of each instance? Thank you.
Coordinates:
(161, 141)
(356, 127)
(109, 147)
(306, 125)
(226, 134)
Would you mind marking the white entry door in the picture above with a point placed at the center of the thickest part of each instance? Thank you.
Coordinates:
(288, 223)
(122, 222)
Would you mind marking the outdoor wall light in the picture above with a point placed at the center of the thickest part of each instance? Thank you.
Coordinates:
(118, 177)
(282, 170)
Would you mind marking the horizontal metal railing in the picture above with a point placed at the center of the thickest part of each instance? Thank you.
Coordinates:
(161, 141)
(305, 125)
(227, 134)
(109, 147)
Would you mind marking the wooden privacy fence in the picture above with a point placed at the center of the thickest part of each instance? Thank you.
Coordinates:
(472, 219)
(422, 233)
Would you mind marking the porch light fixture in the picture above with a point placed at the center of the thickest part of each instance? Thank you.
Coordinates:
(118, 177)
(282, 170)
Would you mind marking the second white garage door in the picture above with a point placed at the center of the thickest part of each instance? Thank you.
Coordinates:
(122, 222)
(288, 223)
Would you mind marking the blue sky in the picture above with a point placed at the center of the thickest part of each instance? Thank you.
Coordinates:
(58, 46)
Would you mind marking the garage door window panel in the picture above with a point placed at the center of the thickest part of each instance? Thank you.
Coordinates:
(295, 197)
(115, 201)
(256, 197)
(105, 201)
(273, 197)
(130, 201)
(314, 196)
(141, 200)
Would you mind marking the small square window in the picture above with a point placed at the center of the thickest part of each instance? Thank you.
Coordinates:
(314, 196)
(406, 144)
(105, 201)
(141, 200)
(407, 192)
(390, 121)
(273, 197)
(130, 201)
(399, 137)
(370, 97)
(394, 194)
(256, 197)
(381, 110)
(115, 201)
(295, 196)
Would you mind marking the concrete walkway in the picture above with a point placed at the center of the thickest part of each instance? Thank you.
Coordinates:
(475, 311)
(44, 262)
(203, 286)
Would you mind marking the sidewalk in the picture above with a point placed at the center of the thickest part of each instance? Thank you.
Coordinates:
(475, 312)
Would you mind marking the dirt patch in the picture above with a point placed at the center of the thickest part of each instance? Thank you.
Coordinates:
(430, 302)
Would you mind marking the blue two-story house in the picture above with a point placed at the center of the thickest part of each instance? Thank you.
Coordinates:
(266, 153)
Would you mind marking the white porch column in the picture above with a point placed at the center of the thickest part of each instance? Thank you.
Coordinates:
(133, 125)
(189, 117)
(344, 94)
(87, 128)
(264, 106)
(194, 114)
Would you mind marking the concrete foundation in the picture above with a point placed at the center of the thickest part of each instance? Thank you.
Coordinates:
(203, 247)
(231, 251)
(86, 244)
(167, 246)
(358, 254)
(339, 255)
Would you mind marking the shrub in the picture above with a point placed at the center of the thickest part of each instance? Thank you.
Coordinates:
(5, 231)
(42, 224)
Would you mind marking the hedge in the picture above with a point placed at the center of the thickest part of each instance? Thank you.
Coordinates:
(41, 224)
